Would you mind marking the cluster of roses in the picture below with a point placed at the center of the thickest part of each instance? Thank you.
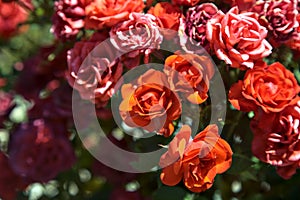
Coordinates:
(152, 100)
(272, 93)
(241, 36)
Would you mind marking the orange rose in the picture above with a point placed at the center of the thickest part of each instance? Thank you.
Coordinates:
(106, 13)
(168, 16)
(195, 162)
(271, 88)
(190, 75)
(150, 104)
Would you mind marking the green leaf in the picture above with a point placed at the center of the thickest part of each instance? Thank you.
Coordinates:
(169, 193)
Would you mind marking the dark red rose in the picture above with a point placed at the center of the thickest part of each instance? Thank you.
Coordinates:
(279, 17)
(193, 27)
(294, 42)
(40, 72)
(38, 150)
(68, 18)
(241, 4)
(56, 107)
(276, 139)
(10, 182)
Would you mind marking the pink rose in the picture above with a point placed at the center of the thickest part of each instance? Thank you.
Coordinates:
(238, 38)
(95, 79)
(137, 36)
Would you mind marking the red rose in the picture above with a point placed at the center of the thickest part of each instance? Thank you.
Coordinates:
(190, 75)
(149, 103)
(106, 13)
(271, 88)
(95, 80)
(196, 161)
(11, 15)
(276, 139)
(237, 38)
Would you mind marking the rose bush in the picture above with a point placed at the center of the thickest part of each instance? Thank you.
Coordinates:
(62, 62)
